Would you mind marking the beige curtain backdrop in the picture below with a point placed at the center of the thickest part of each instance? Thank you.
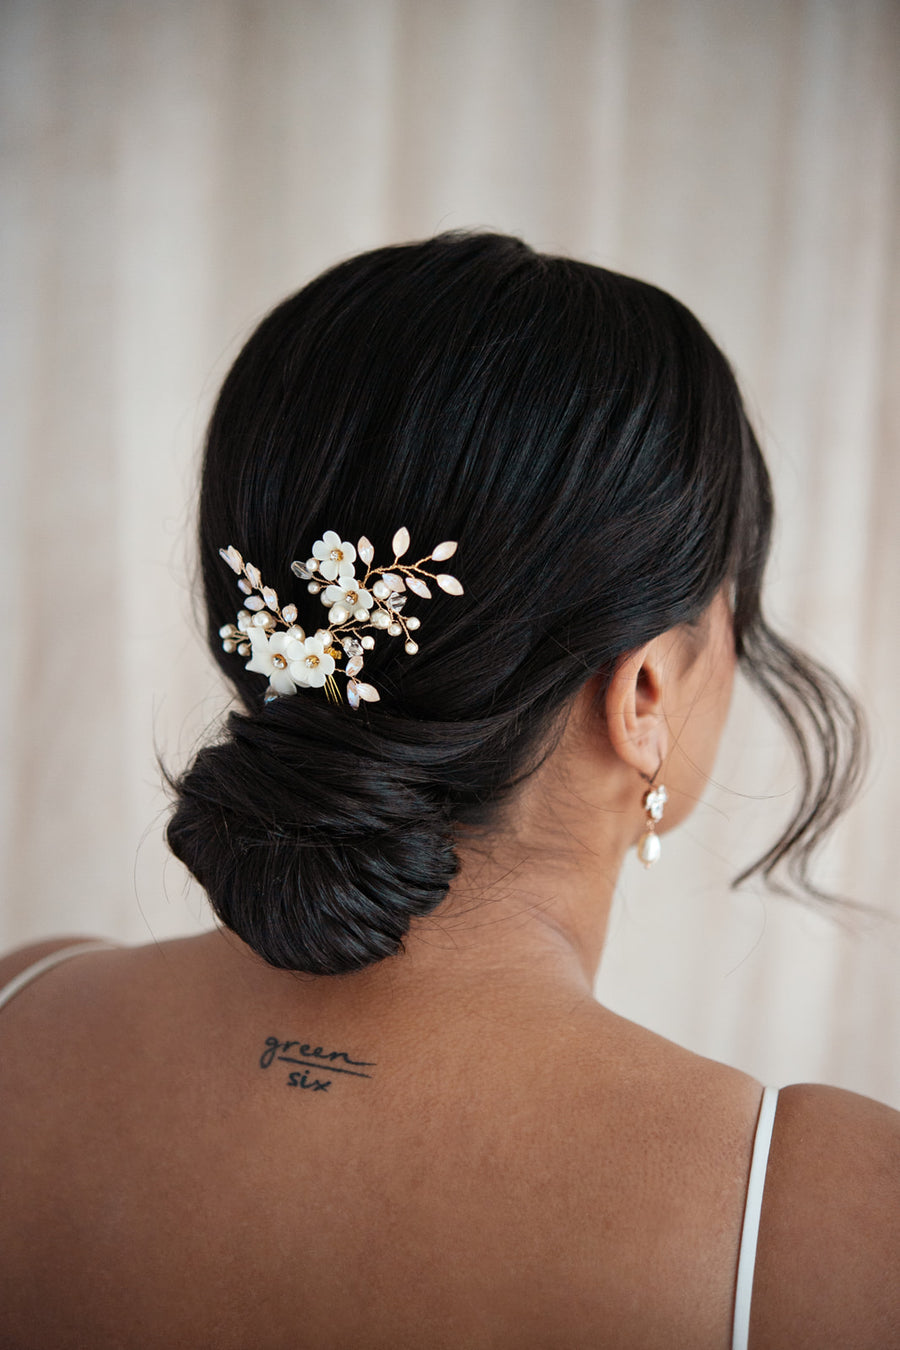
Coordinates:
(171, 169)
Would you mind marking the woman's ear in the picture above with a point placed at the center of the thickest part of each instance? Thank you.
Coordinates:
(636, 725)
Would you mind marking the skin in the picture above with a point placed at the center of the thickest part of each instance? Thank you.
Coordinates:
(522, 1168)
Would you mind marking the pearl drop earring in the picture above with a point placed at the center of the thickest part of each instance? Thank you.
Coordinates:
(648, 846)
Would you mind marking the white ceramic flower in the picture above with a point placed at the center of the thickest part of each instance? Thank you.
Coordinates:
(336, 556)
(272, 657)
(348, 592)
(310, 664)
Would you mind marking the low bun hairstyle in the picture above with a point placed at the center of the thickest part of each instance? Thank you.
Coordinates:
(584, 440)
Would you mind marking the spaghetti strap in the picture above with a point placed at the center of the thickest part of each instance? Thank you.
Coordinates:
(752, 1208)
(37, 968)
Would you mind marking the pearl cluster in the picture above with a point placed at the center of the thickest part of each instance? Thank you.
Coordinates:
(375, 600)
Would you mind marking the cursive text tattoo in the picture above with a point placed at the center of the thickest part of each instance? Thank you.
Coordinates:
(307, 1056)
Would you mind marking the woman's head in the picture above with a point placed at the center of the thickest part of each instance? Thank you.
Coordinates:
(584, 440)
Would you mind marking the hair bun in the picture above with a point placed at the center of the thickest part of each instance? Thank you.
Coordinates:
(316, 840)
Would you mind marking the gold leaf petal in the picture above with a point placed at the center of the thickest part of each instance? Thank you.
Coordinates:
(233, 558)
(365, 550)
(400, 542)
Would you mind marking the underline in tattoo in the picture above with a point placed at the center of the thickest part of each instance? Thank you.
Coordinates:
(331, 1068)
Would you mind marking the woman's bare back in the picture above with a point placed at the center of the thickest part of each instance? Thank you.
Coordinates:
(198, 1150)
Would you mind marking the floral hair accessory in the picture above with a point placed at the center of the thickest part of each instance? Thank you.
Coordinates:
(278, 647)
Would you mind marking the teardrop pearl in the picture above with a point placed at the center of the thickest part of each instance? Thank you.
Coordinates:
(648, 849)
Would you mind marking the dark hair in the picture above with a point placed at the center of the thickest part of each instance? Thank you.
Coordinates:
(584, 439)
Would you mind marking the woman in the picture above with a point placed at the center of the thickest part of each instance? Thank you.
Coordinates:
(379, 1107)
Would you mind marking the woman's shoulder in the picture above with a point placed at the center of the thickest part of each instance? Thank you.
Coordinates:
(828, 1263)
(47, 951)
(828, 1255)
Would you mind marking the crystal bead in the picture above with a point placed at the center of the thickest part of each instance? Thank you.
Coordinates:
(397, 602)
(351, 646)
(300, 570)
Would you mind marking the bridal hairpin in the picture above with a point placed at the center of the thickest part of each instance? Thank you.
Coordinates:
(279, 648)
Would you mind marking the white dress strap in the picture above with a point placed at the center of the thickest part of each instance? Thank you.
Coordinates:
(752, 1208)
(24, 977)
